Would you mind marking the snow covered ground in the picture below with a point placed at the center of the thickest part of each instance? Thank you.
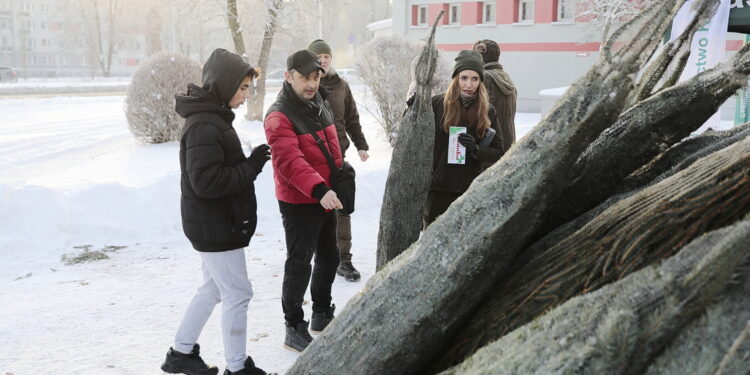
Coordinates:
(72, 176)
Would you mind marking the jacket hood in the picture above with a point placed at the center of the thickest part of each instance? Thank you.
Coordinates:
(222, 74)
(199, 100)
(331, 78)
(495, 72)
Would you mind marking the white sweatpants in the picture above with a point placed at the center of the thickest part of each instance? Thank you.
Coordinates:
(224, 280)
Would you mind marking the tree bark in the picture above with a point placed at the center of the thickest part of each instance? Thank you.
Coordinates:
(621, 328)
(405, 312)
(642, 229)
(255, 102)
(641, 133)
(410, 173)
(233, 22)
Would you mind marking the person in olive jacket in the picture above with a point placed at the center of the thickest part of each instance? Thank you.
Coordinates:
(346, 118)
(500, 88)
(464, 104)
(218, 212)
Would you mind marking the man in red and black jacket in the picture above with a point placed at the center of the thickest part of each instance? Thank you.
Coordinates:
(302, 177)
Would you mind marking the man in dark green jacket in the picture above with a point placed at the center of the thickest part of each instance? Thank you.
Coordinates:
(500, 87)
(346, 118)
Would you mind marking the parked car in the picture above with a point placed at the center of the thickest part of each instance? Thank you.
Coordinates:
(8, 74)
(275, 78)
(350, 75)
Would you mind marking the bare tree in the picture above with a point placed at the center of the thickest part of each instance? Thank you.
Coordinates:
(255, 103)
(101, 19)
(604, 15)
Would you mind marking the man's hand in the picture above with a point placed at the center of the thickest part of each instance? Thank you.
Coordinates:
(363, 155)
(331, 201)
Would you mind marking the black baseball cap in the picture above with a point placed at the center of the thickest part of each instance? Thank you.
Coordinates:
(304, 62)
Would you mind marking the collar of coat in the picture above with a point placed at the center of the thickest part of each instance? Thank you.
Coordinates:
(496, 73)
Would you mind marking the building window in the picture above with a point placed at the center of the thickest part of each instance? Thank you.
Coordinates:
(4, 24)
(422, 19)
(31, 43)
(26, 7)
(45, 60)
(488, 13)
(565, 10)
(454, 14)
(43, 25)
(526, 11)
(33, 60)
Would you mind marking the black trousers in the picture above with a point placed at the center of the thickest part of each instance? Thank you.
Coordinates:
(437, 203)
(307, 236)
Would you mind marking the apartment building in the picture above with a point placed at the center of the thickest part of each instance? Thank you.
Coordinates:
(47, 38)
(544, 43)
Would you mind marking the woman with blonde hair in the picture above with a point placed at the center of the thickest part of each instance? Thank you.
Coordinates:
(463, 110)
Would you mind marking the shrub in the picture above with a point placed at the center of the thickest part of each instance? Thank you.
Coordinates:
(384, 64)
(149, 105)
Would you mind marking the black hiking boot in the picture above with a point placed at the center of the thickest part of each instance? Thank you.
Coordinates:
(189, 364)
(347, 270)
(249, 369)
(297, 337)
(320, 320)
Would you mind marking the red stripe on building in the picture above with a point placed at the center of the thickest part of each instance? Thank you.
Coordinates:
(732, 45)
(530, 47)
(471, 13)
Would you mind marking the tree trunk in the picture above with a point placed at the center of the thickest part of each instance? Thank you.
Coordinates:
(642, 229)
(621, 328)
(410, 173)
(641, 133)
(255, 102)
(233, 22)
(400, 320)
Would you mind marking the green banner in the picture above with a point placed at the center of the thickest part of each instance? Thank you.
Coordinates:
(742, 108)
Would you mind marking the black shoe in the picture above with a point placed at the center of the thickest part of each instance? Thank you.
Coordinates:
(189, 364)
(297, 337)
(249, 369)
(347, 270)
(320, 320)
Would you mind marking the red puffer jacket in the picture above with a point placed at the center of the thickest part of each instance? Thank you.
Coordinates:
(298, 162)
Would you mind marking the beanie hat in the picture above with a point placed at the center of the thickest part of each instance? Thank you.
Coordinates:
(469, 60)
(319, 47)
(489, 49)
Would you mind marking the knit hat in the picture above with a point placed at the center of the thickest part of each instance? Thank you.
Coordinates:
(469, 60)
(489, 49)
(319, 47)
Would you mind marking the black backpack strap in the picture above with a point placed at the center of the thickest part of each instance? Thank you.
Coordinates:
(323, 148)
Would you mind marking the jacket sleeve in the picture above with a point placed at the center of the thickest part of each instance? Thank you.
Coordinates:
(287, 157)
(351, 121)
(494, 151)
(204, 163)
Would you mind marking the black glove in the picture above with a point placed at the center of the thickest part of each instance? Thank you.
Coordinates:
(469, 142)
(259, 156)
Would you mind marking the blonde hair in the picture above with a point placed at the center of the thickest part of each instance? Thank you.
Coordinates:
(478, 114)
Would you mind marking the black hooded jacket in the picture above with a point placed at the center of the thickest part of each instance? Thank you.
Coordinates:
(218, 198)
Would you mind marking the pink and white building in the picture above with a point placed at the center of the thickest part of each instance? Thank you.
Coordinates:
(543, 43)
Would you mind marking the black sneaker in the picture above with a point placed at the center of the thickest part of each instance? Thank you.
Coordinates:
(297, 337)
(347, 270)
(189, 364)
(249, 369)
(320, 320)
